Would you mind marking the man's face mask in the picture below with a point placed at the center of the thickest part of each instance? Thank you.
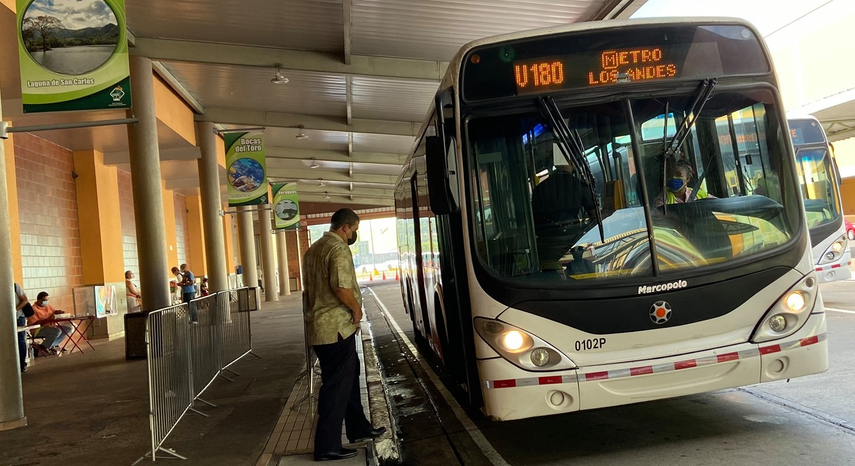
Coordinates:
(352, 239)
(675, 184)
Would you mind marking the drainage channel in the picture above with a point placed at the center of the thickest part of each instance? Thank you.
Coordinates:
(429, 431)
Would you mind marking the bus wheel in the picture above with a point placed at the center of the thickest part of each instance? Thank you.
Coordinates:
(412, 311)
(439, 321)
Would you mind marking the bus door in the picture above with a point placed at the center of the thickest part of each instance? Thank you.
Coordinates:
(417, 255)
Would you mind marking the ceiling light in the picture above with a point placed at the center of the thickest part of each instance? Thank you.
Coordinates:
(278, 78)
(326, 196)
(321, 183)
(314, 164)
(301, 135)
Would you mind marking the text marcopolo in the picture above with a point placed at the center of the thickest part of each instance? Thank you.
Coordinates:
(644, 289)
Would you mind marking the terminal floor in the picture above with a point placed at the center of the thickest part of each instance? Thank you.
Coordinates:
(92, 408)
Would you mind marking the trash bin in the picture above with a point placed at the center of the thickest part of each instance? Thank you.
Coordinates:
(135, 335)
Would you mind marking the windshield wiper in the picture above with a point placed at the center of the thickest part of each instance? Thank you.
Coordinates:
(705, 90)
(572, 149)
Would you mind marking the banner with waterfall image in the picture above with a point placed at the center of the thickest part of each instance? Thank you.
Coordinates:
(246, 168)
(286, 206)
(73, 55)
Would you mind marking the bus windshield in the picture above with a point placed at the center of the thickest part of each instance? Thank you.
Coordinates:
(816, 177)
(725, 194)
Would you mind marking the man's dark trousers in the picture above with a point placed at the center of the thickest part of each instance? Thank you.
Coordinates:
(22, 343)
(339, 398)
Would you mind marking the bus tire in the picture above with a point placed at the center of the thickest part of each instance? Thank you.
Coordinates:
(441, 331)
(417, 334)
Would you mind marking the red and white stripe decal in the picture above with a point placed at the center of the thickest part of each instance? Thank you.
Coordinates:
(658, 368)
(832, 266)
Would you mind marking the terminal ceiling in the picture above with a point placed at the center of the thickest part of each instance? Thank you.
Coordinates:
(361, 75)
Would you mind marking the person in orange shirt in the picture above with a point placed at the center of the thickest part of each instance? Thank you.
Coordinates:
(45, 315)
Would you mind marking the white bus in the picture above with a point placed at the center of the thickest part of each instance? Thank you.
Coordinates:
(545, 263)
(820, 187)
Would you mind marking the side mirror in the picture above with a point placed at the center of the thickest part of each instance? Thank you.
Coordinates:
(441, 180)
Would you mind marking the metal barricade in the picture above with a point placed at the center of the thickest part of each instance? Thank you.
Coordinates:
(237, 330)
(188, 346)
(170, 386)
(205, 337)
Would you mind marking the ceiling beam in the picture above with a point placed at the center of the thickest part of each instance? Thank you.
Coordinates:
(348, 81)
(345, 21)
(186, 153)
(247, 117)
(284, 174)
(837, 130)
(176, 86)
(266, 57)
(373, 193)
(337, 199)
(334, 156)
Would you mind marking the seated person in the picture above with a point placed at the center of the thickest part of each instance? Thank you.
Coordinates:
(561, 205)
(44, 315)
(678, 190)
(203, 288)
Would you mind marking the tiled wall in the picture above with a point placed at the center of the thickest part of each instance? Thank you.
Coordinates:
(182, 240)
(50, 234)
(129, 229)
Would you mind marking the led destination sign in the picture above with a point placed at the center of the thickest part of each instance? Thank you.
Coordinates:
(599, 68)
(594, 59)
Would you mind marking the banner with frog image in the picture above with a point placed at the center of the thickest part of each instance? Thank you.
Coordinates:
(286, 206)
(246, 168)
(73, 55)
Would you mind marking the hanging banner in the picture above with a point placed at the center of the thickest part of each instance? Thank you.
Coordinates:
(286, 207)
(73, 55)
(246, 169)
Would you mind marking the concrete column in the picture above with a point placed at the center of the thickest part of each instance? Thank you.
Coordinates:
(302, 247)
(267, 259)
(246, 241)
(148, 197)
(282, 253)
(11, 394)
(212, 223)
(228, 235)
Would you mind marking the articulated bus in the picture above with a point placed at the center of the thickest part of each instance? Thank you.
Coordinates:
(579, 226)
(820, 188)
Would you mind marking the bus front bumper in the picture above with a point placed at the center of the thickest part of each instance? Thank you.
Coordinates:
(512, 393)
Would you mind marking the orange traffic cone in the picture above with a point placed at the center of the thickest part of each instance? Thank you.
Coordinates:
(371, 277)
(396, 275)
(384, 275)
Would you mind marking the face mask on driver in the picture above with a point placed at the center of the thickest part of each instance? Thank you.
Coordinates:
(352, 239)
(675, 184)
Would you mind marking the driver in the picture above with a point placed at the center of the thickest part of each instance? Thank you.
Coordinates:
(561, 206)
(678, 190)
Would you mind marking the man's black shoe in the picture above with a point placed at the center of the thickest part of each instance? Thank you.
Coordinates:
(372, 434)
(342, 454)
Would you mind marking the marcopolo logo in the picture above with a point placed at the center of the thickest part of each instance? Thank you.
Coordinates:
(643, 289)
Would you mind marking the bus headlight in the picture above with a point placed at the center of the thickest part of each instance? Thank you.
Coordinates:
(796, 301)
(521, 348)
(514, 341)
(540, 357)
(790, 312)
(835, 251)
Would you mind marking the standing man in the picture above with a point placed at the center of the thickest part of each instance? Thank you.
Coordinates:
(332, 310)
(188, 291)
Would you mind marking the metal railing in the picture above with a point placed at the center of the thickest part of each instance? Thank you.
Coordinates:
(188, 346)
(170, 391)
(205, 336)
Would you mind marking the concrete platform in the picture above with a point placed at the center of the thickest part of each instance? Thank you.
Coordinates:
(92, 408)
